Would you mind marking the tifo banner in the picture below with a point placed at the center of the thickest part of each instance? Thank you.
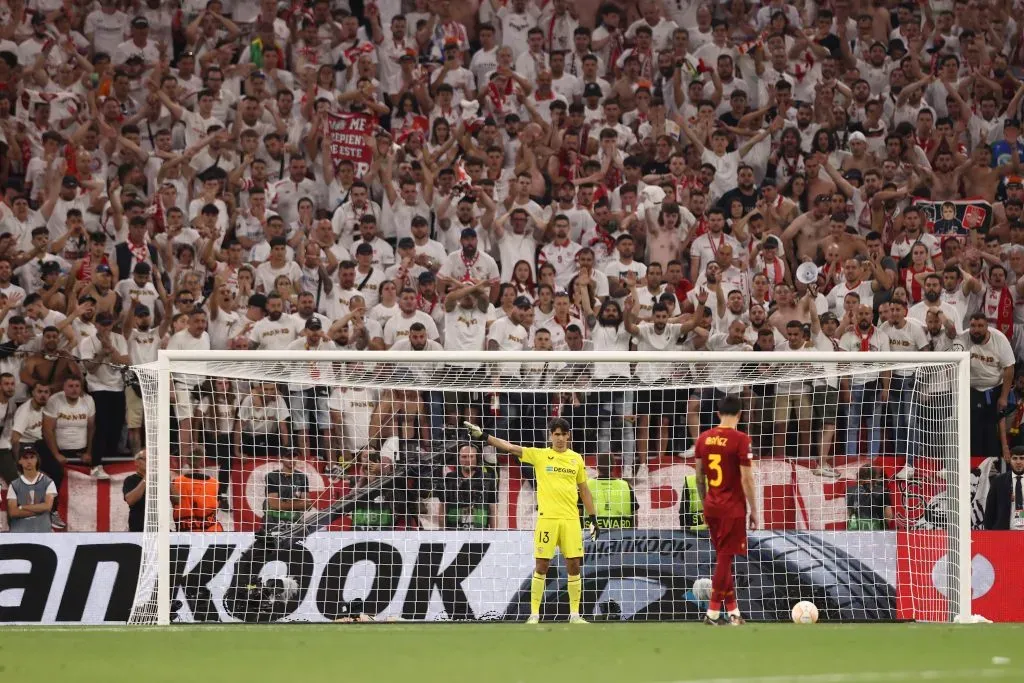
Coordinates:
(792, 497)
(88, 504)
(627, 575)
(348, 138)
(956, 217)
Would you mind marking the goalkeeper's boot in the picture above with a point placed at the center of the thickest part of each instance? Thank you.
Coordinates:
(736, 620)
(534, 619)
(577, 619)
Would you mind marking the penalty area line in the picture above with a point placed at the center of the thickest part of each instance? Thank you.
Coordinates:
(870, 677)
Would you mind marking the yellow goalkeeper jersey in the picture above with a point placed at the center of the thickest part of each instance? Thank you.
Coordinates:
(558, 475)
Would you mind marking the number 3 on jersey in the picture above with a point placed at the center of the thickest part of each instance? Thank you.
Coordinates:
(715, 466)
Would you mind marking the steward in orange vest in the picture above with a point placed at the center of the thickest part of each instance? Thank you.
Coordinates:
(194, 497)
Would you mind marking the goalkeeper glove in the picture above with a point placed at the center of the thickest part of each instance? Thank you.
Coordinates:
(475, 431)
(593, 528)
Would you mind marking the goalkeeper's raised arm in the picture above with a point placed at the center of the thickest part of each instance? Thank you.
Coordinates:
(504, 446)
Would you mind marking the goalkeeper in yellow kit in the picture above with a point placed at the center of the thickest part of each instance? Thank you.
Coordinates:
(561, 482)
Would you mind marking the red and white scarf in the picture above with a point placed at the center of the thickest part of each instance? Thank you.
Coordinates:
(140, 252)
(778, 271)
(497, 96)
(865, 339)
(615, 49)
(913, 285)
(999, 310)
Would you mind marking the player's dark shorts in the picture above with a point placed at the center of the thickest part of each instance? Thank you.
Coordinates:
(728, 534)
(826, 404)
(656, 402)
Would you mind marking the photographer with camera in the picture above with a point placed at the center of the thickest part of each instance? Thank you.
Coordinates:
(869, 503)
(470, 500)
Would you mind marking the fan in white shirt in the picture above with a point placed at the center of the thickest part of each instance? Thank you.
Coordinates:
(624, 272)
(705, 249)
(277, 264)
(515, 242)
(368, 278)
(655, 404)
(465, 324)
(193, 338)
(398, 326)
(469, 263)
(416, 339)
(561, 253)
(511, 333)
(277, 330)
(865, 289)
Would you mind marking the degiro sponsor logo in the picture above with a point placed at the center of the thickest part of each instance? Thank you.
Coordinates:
(560, 470)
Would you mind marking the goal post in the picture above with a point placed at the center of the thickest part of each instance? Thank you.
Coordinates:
(339, 485)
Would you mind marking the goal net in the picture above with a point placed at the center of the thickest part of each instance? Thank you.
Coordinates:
(340, 486)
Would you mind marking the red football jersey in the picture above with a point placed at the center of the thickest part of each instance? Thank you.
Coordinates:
(723, 451)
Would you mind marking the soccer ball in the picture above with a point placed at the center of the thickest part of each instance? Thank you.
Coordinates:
(702, 589)
(805, 612)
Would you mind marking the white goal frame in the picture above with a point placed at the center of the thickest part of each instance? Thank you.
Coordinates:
(961, 359)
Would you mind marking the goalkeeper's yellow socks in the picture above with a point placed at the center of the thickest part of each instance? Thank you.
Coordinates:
(575, 592)
(537, 592)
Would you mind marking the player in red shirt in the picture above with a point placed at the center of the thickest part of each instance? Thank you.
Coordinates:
(725, 483)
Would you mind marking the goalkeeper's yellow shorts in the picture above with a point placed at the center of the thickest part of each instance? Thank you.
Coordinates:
(564, 534)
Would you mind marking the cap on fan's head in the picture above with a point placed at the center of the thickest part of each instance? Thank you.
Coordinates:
(103, 268)
(468, 234)
(1012, 123)
(49, 267)
(258, 301)
(105, 318)
(769, 243)
(140, 22)
(592, 90)
(69, 181)
(857, 136)
(522, 302)
(828, 317)
(314, 324)
(142, 311)
(854, 174)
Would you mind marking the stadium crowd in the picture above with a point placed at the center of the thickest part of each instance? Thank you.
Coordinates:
(645, 175)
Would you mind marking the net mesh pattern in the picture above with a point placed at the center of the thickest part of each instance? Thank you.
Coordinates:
(377, 447)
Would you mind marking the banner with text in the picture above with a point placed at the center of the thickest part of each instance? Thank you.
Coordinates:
(347, 135)
(627, 575)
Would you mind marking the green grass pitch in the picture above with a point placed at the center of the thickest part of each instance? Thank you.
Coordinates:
(619, 653)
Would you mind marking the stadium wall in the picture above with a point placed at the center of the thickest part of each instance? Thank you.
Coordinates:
(629, 575)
